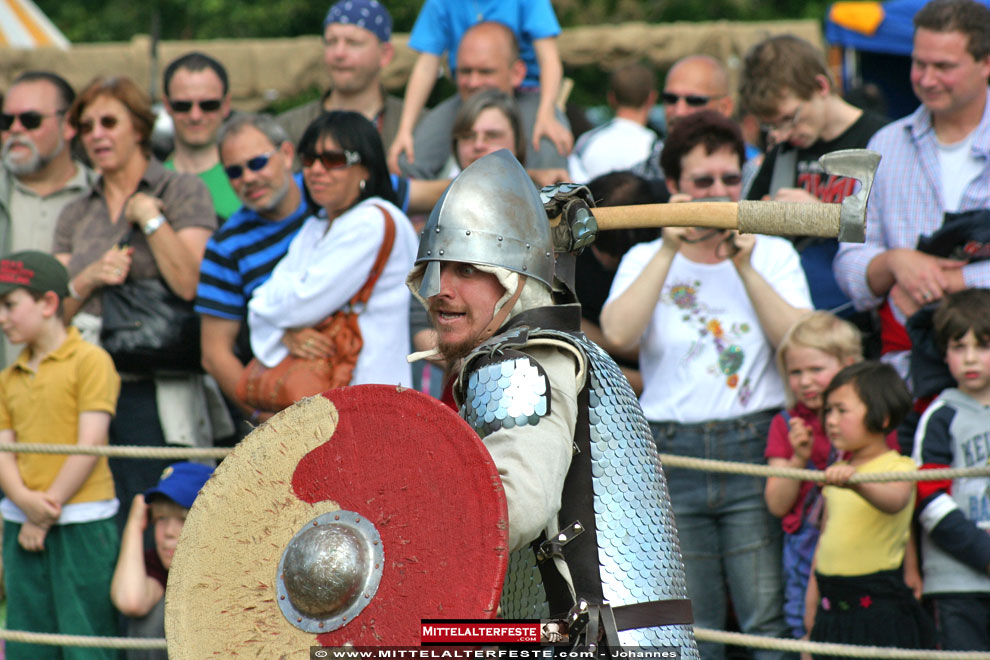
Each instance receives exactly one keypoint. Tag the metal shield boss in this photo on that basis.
(345, 519)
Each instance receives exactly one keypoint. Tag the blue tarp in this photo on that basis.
(894, 36)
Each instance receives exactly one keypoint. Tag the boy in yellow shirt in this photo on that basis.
(59, 535)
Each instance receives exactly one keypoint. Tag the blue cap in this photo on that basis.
(181, 483)
(368, 14)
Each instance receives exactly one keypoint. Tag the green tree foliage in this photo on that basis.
(119, 20)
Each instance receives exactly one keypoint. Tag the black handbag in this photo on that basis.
(147, 328)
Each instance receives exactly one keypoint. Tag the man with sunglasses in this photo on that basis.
(356, 48)
(197, 98)
(39, 173)
(626, 139)
(787, 85)
(694, 83)
(257, 156)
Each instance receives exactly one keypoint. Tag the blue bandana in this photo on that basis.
(368, 14)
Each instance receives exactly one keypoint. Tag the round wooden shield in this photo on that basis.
(400, 468)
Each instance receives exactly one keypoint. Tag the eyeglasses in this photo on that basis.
(693, 100)
(784, 125)
(207, 105)
(486, 136)
(30, 120)
(331, 160)
(255, 164)
(108, 122)
(707, 180)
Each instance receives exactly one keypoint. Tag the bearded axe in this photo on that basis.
(845, 221)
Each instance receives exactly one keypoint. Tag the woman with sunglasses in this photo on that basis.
(708, 308)
(139, 221)
(331, 257)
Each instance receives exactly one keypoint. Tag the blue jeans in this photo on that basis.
(728, 538)
(962, 621)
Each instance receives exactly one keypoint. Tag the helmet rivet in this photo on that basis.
(548, 254)
(500, 238)
(527, 246)
(525, 267)
(467, 233)
(429, 252)
(438, 230)
(440, 253)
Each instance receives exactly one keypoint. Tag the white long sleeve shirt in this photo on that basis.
(320, 273)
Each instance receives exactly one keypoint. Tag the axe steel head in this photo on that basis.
(860, 164)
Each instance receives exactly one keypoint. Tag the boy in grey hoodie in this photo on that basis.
(955, 513)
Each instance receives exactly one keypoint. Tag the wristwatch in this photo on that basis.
(151, 226)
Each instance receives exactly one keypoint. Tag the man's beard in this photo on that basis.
(272, 203)
(454, 351)
(33, 163)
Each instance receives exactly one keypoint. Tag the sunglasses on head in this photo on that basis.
(86, 126)
(707, 180)
(208, 105)
(255, 164)
(30, 120)
(331, 160)
(693, 100)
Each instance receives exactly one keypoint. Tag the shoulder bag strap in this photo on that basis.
(383, 254)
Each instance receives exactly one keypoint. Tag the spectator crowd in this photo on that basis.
(796, 352)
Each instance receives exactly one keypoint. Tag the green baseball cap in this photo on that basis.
(35, 271)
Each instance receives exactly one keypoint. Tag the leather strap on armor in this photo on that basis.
(654, 613)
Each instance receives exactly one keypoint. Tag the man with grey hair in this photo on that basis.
(257, 158)
(39, 174)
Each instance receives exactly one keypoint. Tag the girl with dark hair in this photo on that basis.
(857, 593)
(331, 257)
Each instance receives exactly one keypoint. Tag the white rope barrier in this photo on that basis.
(701, 634)
(669, 460)
(52, 639)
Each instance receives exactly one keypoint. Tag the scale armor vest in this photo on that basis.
(638, 551)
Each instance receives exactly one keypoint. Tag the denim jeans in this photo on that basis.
(728, 538)
(962, 622)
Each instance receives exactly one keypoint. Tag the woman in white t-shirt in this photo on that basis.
(707, 308)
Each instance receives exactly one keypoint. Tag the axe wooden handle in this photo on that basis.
(771, 218)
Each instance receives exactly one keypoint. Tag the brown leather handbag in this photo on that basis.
(295, 378)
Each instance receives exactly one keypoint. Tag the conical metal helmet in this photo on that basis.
(491, 214)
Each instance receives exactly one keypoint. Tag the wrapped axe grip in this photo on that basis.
(771, 218)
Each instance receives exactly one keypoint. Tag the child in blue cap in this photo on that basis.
(138, 587)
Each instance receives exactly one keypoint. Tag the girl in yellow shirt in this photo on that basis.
(858, 594)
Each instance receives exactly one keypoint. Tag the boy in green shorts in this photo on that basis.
(59, 535)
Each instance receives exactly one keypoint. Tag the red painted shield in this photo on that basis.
(400, 459)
